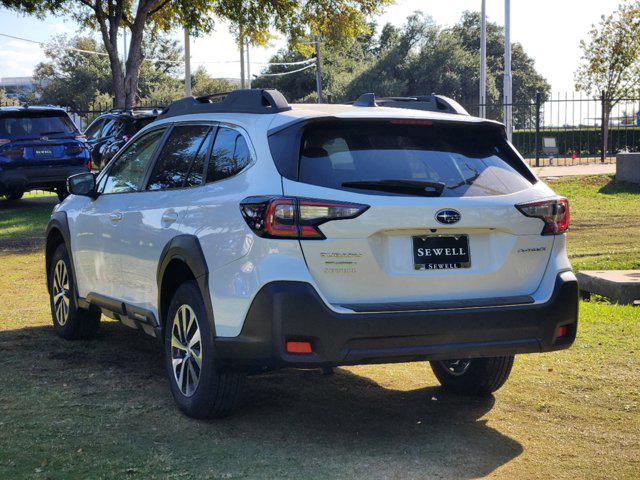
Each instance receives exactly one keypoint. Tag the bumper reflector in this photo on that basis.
(562, 331)
(299, 347)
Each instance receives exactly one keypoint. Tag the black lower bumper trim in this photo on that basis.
(28, 178)
(284, 311)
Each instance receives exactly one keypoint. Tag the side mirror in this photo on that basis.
(82, 184)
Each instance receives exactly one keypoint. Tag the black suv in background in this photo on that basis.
(39, 148)
(111, 130)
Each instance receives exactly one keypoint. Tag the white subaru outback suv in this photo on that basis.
(249, 234)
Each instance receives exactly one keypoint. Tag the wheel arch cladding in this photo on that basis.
(181, 260)
(57, 233)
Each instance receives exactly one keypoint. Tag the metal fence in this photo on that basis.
(82, 116)
(568, 129)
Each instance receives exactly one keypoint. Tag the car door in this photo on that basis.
(97, 227)
(154, 216)
(93, 134)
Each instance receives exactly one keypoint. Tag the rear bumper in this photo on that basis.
(26, 178)
(284, 311)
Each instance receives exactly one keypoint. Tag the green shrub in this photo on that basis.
(583, 142)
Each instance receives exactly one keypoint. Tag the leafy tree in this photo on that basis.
(610, 64)
(395, 55)
(6, 101)
(201, 84)
(71, 78)
(420, 58)
(526, 80)
(252, 19)
(78, 80)
(204, 84)
(341, 60)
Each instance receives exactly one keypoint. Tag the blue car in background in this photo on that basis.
(40, 147)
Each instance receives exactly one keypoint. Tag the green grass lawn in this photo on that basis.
(102, 409)
(604, 232)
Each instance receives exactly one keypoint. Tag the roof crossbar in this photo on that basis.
(261, 101)
(431, 103)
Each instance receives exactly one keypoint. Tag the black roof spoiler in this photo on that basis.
(430, 103)
(257, 100)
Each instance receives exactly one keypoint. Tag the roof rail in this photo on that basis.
(257, 100)
(431, 103)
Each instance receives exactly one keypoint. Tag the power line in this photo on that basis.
(303, 62)
(43, 44)
(285, 73)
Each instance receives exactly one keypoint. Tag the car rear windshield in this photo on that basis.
(401, 157)
(35, 124)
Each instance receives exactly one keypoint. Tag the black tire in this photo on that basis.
(478, 377)
(62, 193)
(15, 195)
(69, 321)
(215, 393)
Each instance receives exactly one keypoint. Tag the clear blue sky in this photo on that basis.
(550, 31)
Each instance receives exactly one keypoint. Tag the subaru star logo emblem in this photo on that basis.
(448, 216)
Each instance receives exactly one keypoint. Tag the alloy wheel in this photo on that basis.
(456, 367)
(186, 350)
(61, 292)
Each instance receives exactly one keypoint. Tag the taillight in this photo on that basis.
(13, 153)
(73, 149)
(292, 217)
(554, 213)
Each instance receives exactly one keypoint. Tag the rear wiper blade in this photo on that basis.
(413, 187)
(466, 181)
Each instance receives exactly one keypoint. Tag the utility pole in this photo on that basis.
(318, 71)
(507, 96)
(248, 66)
(242, 84)
(483, 60)
(187, 63)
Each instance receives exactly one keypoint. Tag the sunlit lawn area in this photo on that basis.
(102, 409)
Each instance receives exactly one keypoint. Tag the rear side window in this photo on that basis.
(35, 124)
(178, 154)
(93, 131)
(111, 128)
(467, 160)
(230, 155)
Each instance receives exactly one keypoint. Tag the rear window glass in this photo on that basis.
(467, 160)
(35, 125)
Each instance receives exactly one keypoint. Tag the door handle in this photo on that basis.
(169, 217)
(115, 217)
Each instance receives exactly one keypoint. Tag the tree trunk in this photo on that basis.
(117, 76)
(109, 32)
(134, 62)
